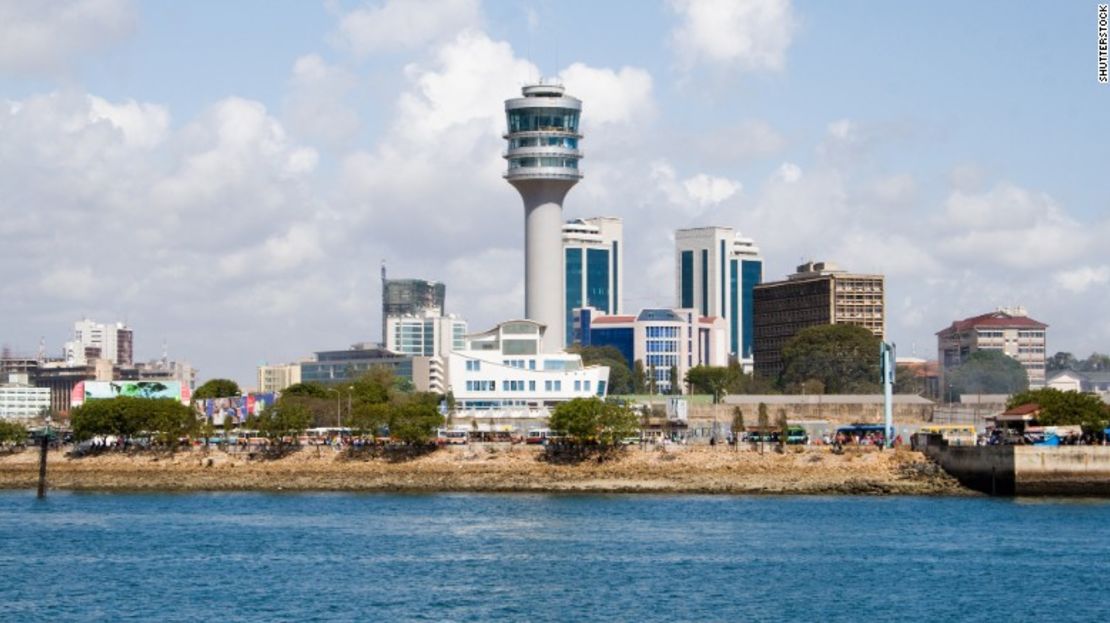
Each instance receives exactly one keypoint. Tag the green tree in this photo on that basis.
(711, 380)
(620, 377)
(1059, 408)
(12, 433)
(415, 419)
(593, 421)
(639, 378)
(1061, 361)
(1097, 362)
(672, 377)
(651, 381)
(376, 386)
(737, 425)
(987, 372)
(217, 388)
(282, 423)
(908, 381)
(783, 426)
(764, 425)
(306, 390)
(844, 358)
(164, 419)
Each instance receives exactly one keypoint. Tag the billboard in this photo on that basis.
(94, 390)
(238, 408)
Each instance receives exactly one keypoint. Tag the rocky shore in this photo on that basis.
(492, 468)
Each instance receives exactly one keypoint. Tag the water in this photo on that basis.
(333, 557)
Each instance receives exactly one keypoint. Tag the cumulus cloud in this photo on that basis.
(621, 96)
(402, 24)
(789, 172)
(1081, 279)
(48, 36)
(749, 34)
(707, 190)
(316, 107)
(142, 124)
(746, 140)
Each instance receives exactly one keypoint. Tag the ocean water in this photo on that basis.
(470, 557)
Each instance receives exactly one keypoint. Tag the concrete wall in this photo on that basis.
(1024, 470)
(835, 413)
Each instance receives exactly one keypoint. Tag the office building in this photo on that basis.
(92, 340)
(659, 339)
(275, 378)
(340, 366)
(410, 297)
(1009, 330)
(819, 293)
(505, 373)
(430, 335)
(716, 271)
(592, 268)
(20, 400)
(542, 160)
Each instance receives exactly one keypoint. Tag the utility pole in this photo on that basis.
(886, 367)
(44, 448)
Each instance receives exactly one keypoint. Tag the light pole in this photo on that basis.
(350, 390)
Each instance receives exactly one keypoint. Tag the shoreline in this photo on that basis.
(498, 469)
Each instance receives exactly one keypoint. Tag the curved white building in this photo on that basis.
(503, 373)
(543, 160)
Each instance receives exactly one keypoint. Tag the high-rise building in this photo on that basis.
(659, 339)
(543, 166)
(275, 378)
(819, 293)
(593, 271)
(91, 340)
(716, 271)
(429, 335)
(1009, 330)
(410, 297)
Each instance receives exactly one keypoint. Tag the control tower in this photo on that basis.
(543, 165)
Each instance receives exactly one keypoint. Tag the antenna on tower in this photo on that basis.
(165, 353)
(42, 349)
(383, 271)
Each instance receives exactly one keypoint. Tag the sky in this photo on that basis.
(227, 177)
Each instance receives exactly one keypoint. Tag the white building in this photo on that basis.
(504, 373)
(20, 401)
(659, 339)
(275, 378)
(593, 271)
(429, 335)
(716, 271)
(92, 340)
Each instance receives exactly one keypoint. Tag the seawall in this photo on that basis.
(1026, 470)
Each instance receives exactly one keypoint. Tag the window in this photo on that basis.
(578, 386)
(586, 385)
(687, 278)
(558, 386)
(547, 386)
(473, 365)
(531, 386)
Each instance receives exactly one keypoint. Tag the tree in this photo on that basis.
(1059, 408)
(987, 372)
(844, 358)
(306, 390)
(165, 419)
(908, 381)
(620, 377)
(1061, 361)
(741, 383)
(217, 388)
(737, 425)
(651, 380)
(764, 425)
(592, 421)
(415, 419)
(711, 380)
(281, 421)
(1097, 362)
(672, 377)
(376, 386)
(12, 433)
(782, 424)
(639, 378)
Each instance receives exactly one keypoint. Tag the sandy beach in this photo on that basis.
(491, 468)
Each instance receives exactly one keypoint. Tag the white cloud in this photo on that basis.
(143, 125)
(707, 190)
(70, 283)
(316, 108)
(47, 36)
(789, 172)
(1081, 279)
(750, 34)
(745, 140)
(610, 96)
(401, 24)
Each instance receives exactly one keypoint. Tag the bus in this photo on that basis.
(862, 434)
(954, 434)
(537, 436)
(452, 437)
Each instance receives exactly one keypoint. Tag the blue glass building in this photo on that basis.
(591, 268)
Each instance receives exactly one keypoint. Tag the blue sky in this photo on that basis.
(226, 176)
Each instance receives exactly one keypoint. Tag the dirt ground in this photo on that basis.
(664, 469)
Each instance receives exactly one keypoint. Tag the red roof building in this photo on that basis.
(1011, 331)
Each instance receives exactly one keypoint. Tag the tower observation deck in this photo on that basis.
(543, 160)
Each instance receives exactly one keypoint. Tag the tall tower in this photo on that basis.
(543, 165)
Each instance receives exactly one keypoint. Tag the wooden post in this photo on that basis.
(43, 448)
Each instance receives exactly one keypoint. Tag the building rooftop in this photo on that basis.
(612, 320)
(1030, 408)
(997, 319)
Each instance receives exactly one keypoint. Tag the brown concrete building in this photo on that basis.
(817, 294)
(1011, 331)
